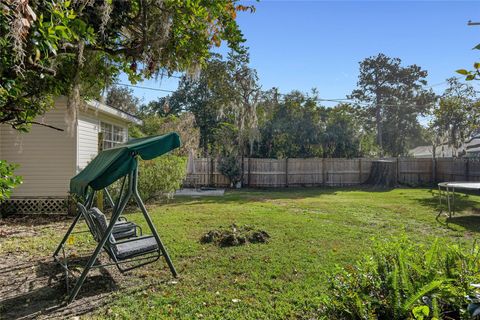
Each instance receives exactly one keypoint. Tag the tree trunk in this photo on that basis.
(383, 174)
(378, 120)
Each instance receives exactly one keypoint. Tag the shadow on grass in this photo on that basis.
(246, 195)
(470, 222)
(33, 289)
(463, 202)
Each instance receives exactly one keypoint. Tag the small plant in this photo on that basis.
(229, 167)
(405, 280)
(8, 180)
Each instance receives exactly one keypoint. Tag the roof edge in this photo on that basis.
(97, 105)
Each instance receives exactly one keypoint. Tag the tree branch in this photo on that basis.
(42, 68)
(46, 125)
(14, 125)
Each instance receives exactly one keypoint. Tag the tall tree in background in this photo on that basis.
(122, 98)
(246, 94)
(165, 106)
(208, 97)
(456, 116)
(343, 132)
(183, 124)
(293, 126)
(224, 94)
(394, 96)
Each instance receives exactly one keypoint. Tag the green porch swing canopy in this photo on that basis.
(112, 164)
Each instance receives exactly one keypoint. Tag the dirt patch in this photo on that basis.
(29, 225)
(33, 286)
(235, 236)
(36, 289)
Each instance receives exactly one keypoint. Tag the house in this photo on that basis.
(442, 151)
(49, 158)
(473, 146)
(469, 149)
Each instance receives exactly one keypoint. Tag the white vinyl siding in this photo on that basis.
(49, 158)
(46, 156)
(87, 140)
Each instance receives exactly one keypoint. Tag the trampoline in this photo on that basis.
(447, 190)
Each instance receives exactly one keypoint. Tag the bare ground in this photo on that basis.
(35, 287)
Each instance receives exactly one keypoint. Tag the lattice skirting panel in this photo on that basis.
(34, 205)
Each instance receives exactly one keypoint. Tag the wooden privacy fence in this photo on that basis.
(297, 172)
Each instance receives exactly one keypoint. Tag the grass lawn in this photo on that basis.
(311, 230)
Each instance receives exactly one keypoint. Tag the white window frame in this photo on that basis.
(113, 135)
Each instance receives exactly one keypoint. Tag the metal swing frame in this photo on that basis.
(118, 208)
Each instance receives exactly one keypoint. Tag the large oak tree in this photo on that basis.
(394, 96)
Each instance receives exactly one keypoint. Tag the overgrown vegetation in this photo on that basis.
(401, 279)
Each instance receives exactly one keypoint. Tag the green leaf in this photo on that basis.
(470, 77)
(421, 312)
(421, 292)
(462, 71)
(476, 65)
(477, 47)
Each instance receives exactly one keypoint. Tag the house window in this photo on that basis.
(112, 135)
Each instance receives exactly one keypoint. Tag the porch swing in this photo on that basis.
(123, 241)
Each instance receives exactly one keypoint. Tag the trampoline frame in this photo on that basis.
(447, 190)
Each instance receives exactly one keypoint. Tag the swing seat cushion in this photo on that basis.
(135, 247)
(125, 249)
(124, 230)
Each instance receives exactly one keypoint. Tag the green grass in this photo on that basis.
(311, 230)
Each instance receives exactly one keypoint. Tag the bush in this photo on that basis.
(404, 280)
(160, 177)
(8, 180)
(229, 167)
(157, 178)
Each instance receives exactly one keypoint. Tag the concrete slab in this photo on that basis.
(190, 192)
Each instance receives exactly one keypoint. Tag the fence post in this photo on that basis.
(286, 172)
(248, 174)
(100, 192)
(324, 180)
(360, 171)
(467, 170)
(397, 172)
(434, 170)
(243, 169)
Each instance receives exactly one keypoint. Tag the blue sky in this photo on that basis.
(318, 44)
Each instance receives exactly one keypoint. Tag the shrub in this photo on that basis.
(157, 178)
(8, 180)
(160, 177)
(229, 167)
(405, 280)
